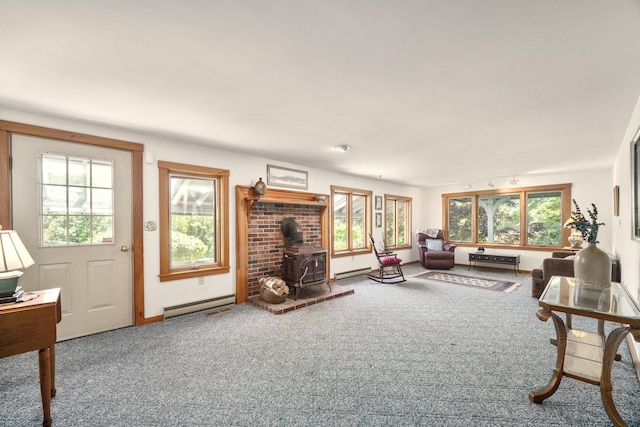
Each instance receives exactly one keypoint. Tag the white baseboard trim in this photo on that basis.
(192, 307)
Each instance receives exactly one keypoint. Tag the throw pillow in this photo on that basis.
(434, 245)
(390, 260)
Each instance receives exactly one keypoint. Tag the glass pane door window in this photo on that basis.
(76, 200)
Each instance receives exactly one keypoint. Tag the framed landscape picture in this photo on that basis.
(279, 176)
(378, 203)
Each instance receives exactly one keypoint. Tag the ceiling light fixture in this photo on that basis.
(514, 181)
(468, 186)
(343, 147)
(491, 184)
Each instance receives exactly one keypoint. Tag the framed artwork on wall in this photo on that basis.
(635, 176)
(279, 176)
(378, 219)
(378, 203)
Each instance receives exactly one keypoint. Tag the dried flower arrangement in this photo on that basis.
(588, 228)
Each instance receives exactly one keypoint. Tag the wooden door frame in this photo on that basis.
(7, 128)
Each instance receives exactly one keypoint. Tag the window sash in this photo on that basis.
(351, 221)
(397, 221)
(194, 224)
(76, 206)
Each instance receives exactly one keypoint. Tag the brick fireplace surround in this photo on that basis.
(266, 242)
(260, 243)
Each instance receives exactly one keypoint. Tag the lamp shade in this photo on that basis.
(13, 253)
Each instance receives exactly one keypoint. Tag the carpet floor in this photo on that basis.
(418, 353)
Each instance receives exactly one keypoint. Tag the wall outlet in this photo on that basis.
(200, 280)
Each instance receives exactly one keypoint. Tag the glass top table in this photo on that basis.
(612, 303)
(583, 355)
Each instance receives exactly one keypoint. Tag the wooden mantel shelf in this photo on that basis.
(287, 201)
(283, 196)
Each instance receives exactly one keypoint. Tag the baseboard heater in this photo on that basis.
(192, 307)
(351, 273)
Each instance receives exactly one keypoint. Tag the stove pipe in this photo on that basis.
(292, 232)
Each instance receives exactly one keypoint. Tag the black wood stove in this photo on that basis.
(302, 265)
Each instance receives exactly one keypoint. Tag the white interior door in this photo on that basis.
(72, 209)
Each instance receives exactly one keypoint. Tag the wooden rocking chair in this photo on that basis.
(389, 266)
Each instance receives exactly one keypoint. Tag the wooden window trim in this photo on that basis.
(368, 220)
(409, 201)
(222, 241)
(565, 189)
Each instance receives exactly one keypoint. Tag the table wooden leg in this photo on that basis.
(45, 385)
(610, 351)
(52, 358)
(561, 340)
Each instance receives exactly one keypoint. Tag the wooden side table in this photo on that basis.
(31, 325)
(582, 355)
(476, 257)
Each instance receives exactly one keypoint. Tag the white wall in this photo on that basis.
(625, 247)
(594, 186)
(244, 170)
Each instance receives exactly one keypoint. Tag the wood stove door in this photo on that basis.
(319, 268)
(311, 268)
(289, 269)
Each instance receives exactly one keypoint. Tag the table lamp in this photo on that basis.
(13, 256)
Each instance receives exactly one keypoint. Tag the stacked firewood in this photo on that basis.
(274, 284)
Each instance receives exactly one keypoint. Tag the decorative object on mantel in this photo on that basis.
(575, 239)
(260, 188)
(592, 266)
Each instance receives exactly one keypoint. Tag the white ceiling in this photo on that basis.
(427, 92)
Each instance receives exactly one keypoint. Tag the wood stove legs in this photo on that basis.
(297, 287)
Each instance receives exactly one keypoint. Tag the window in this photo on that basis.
(544, 218)
(460, 219)
(524, 217)
(397, 221)
(351, 221)
(76, 201)
(499, 219)
(194, 224)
